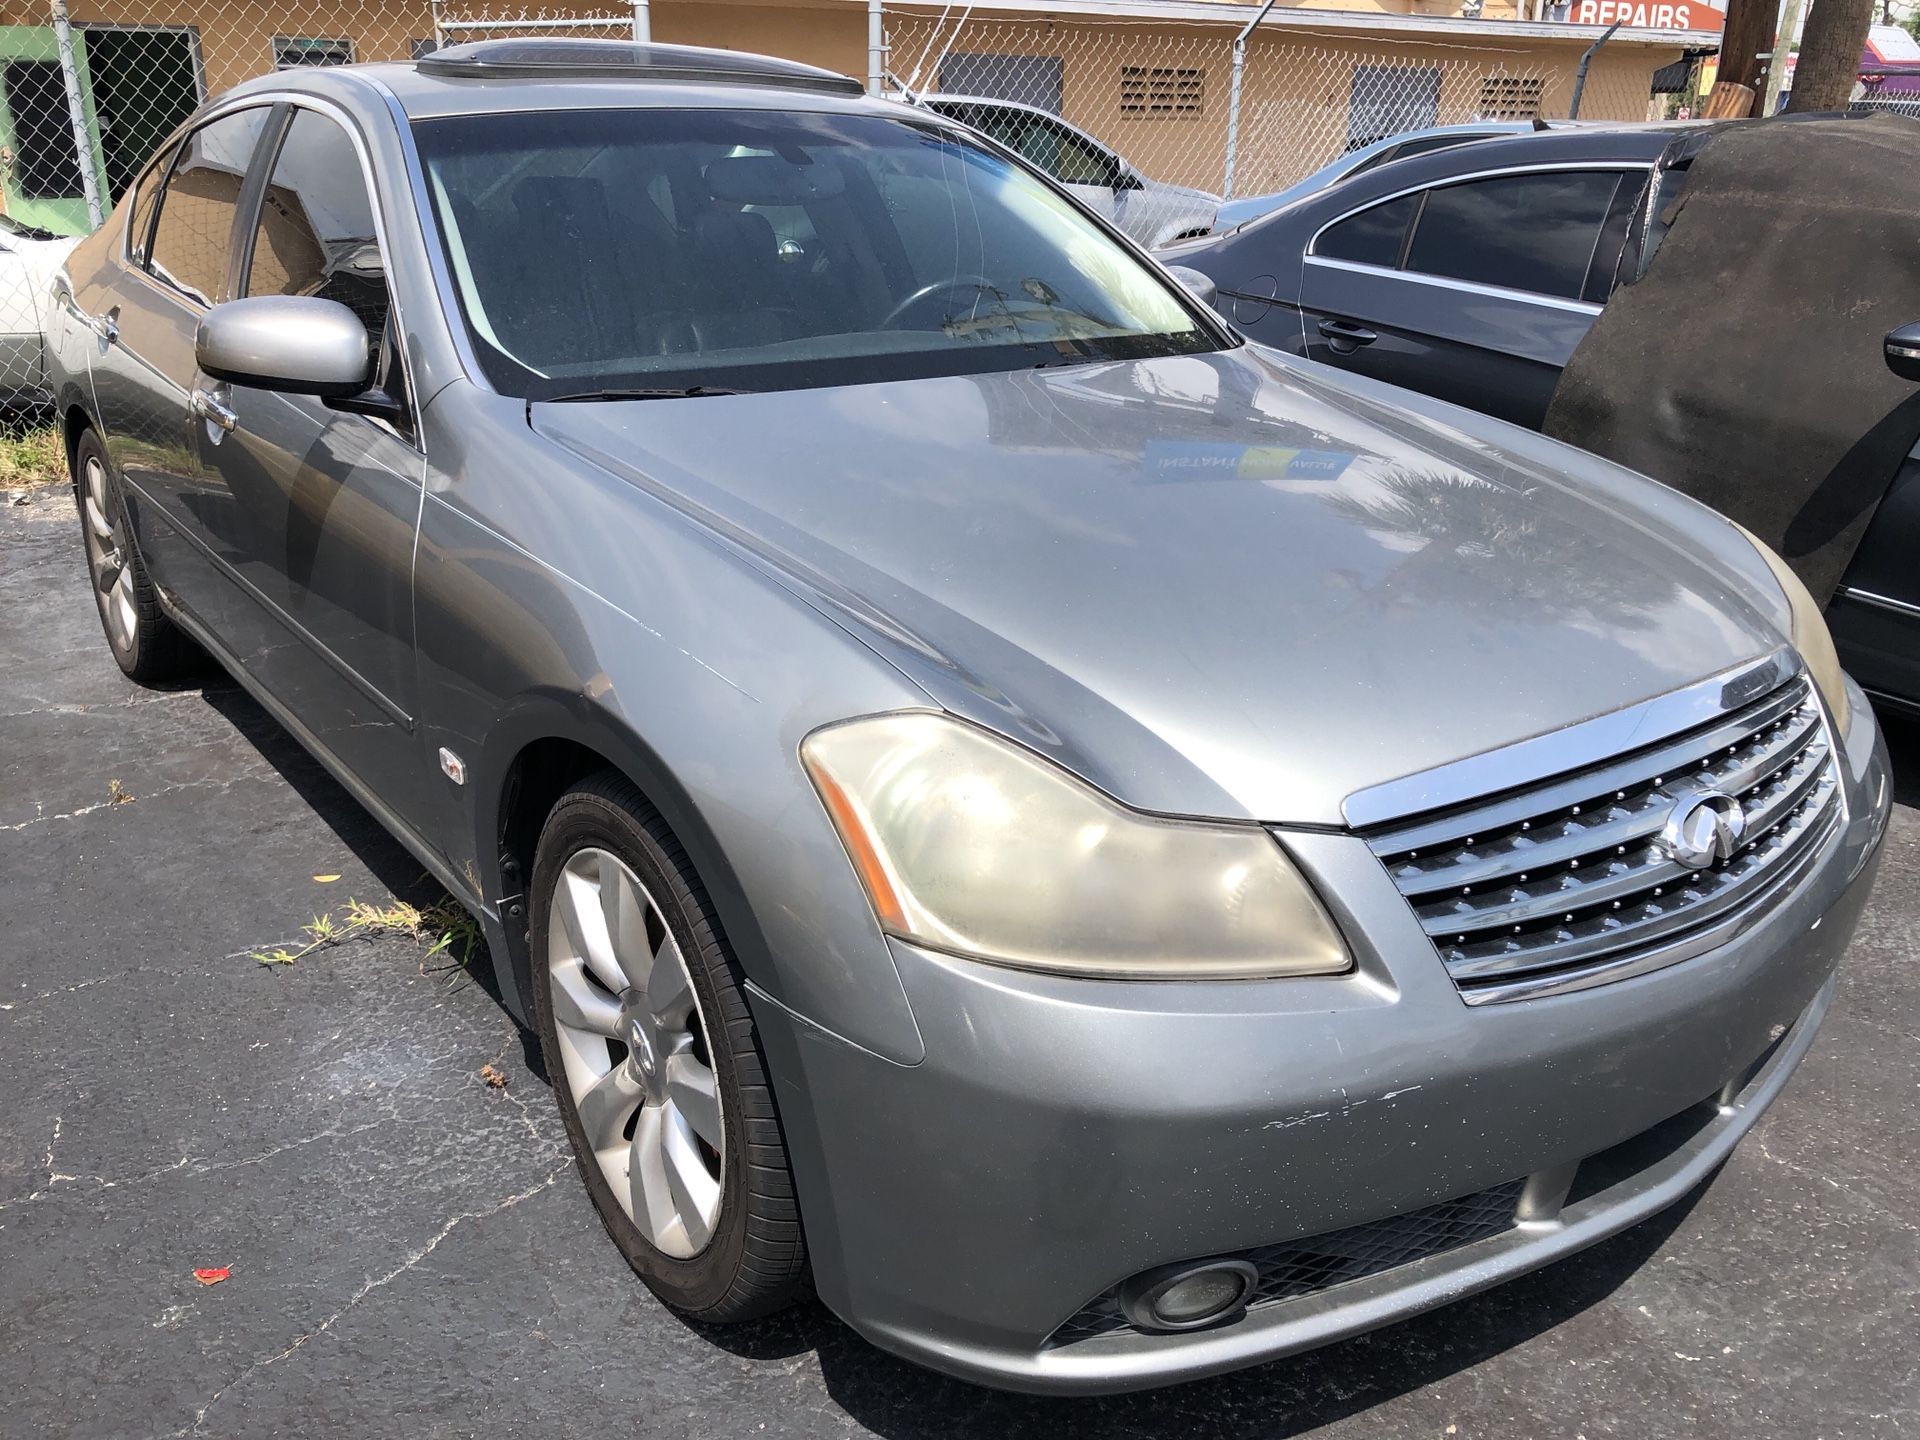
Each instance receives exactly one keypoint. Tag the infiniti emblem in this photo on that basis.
(1703, 826)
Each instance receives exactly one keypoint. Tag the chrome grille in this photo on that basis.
(1566, 883)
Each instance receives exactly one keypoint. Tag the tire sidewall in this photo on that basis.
(582, 820)
(89, 447)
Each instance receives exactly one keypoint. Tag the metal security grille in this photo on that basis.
(1567, 883)
(1319, 1262)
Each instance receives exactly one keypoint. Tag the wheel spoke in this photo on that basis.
(623, 913)
(606, 1105)
(577, 902)
(96, 504)
(125, 617)
(691, 1090)
(651, 1199)
(577, 1004)
(669, 994)
(696, 1194)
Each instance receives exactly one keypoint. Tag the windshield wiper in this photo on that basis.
(689, 392)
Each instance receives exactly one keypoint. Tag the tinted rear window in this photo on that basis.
(1373, 237)
(1521, 232)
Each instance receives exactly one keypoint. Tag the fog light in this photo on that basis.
(1190, 1296)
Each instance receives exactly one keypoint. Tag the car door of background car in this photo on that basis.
(1475, 290)
(322, 505)
(175, 267)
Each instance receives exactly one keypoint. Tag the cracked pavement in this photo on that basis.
(412, 1255)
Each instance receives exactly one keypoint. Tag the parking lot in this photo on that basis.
(410, 1253)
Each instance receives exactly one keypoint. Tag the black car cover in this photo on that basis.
(1745, 366)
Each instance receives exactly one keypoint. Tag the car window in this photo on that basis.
(1535, 232)
(1375, 236)
(140, 216)
(1071, 159)
(801, 249)
(194, 229)
(316, 234)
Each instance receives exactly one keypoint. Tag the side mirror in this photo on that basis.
(293, 343)
(1196, 283)
(1903, 351)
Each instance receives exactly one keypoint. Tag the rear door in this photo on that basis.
(176, 260)
(1475, 290)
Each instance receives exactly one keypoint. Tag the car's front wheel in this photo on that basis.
(651, 1050)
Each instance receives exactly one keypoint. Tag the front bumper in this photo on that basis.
(1062, 1135)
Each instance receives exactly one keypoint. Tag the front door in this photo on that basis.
(39, 159)
(328, 502)
(1476, 292)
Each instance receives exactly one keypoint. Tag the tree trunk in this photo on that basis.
(1830, 50)
(1749, 30)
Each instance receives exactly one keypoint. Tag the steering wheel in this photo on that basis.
(958, 285)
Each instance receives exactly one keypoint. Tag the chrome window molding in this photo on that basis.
(1501, 292)
(1468, 287)
(1880, 602)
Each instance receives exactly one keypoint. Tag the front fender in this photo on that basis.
(556, 602)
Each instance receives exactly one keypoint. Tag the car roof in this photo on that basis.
(507, 75)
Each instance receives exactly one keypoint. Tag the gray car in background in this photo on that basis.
(1116, 853)
(1149, 211)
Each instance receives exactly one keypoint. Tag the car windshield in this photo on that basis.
(662, 250)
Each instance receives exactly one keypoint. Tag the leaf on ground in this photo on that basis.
(212, 1277)
(494, 1076)
(117, 794)
(325, 879)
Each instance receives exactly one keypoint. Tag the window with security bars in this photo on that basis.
(1510, 97)
(292, 51)
(1162, 90)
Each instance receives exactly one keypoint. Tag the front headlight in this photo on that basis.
(969, 844)
(1810, 634)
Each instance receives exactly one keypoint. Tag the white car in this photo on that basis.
(1151, 212)
(29, 259)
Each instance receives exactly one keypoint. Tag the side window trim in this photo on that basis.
(193, 128)
(260, 176)
(246, 210)
(134, 252)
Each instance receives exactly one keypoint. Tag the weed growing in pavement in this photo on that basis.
(32, 458)
(445, 927)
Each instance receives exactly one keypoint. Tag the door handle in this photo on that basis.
(1345, 337)
(210, 408)
(105, 327)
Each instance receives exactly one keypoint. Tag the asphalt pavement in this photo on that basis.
(409, 1253)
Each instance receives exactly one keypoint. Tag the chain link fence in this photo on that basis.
(1170, 99)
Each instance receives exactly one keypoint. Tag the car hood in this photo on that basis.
(1224, 584)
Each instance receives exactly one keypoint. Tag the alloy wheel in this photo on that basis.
(635, 1051)
(109, 556)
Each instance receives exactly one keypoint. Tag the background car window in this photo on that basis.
(140, 221)
(1521, 232)
(1071, 159)
(1373, 237)
(316, 234)
(192, 235)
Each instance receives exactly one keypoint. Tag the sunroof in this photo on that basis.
(635, 60)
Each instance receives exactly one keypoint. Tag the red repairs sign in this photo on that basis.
(1649, 14)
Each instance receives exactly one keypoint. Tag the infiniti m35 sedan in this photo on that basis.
(1112, 853)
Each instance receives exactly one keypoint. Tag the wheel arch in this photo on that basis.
(538, 750)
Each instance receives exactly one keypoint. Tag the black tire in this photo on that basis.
(152, 649)
(755, 1262)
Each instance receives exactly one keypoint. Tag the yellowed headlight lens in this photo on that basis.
(970, 844)
(1810, 634)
